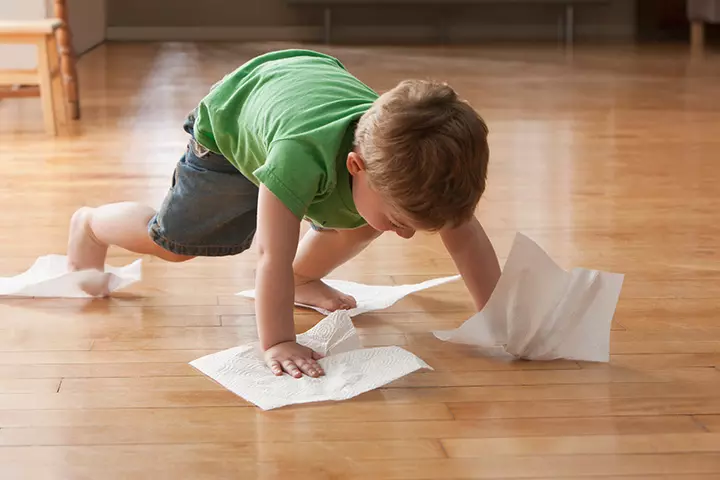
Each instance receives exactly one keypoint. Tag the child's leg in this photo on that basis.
(210, 210)
(321, 252)
(93, 230)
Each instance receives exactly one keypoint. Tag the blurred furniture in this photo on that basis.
(699, 13)
(67, 59)
(47, 75)
(568, 5)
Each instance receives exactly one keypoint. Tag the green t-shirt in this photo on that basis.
(287, 119)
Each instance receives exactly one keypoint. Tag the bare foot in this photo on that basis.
(315, 293)
(85, 252)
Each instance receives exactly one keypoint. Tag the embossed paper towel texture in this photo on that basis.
(349, 369)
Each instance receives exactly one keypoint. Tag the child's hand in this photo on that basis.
(293, 359)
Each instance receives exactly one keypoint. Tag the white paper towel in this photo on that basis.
(371, 297)
(349, 369)
(539, 311)
(50, 277)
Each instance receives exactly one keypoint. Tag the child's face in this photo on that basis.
(371, 206)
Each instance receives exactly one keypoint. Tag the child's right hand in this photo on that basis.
(294, 359)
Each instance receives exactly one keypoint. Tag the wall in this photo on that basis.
(87, 22)
(275, 20)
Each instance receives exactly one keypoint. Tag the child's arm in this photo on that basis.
(475, 258)
(278, 232)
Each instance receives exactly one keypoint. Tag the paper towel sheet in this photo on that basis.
(349, 369)
(371, 297)
(49, 277)
(539, 311)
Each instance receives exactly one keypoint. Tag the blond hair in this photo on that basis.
(426, 153)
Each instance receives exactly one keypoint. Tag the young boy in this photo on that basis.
(291, 135)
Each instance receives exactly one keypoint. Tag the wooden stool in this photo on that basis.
(47, 76)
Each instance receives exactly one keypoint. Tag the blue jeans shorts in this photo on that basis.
(210, 209)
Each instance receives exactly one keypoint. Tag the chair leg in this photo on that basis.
(697, 36)
(69, 73)
(59, 97)
(67, 59)
(46, 90)
(328, 25)
(569, 25)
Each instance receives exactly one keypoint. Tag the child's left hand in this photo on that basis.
(293, 359)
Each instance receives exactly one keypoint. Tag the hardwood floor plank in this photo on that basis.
(415, 394)
(661, 361)
(94, 370)
(201, 398)
(45, 344)
(125, 299)
(557, 408)
(179, 338)
(99, 325)
(92, 400)
(26, 385)
(100, 357)
(669, 346)
(607, 375)
(709, 422)
(689, 476)
(667, 334)
(584, 445)
(124, 462)
(232, 468)
(237, 424)
(575, 466)
(462, 360)
(144, 384)
(539, 392)
(276, 452)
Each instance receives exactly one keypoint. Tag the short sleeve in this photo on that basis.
(292, 173)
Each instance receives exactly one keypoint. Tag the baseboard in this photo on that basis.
(372, 34)
(471, 33)
(289, 34)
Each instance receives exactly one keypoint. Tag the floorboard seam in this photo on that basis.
(699, 423)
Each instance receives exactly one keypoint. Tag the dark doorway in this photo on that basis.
(666, 21)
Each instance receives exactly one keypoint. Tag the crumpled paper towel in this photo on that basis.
(371, 297)
(349, 369)
(49, 277)
(539, 311)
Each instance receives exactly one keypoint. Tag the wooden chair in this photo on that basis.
(47, 76)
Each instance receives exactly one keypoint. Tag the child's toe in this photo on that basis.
(336, 304)
(348, 301)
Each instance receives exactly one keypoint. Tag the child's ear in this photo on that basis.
(355, 163)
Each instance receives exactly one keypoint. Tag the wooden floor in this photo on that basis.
(608, 158)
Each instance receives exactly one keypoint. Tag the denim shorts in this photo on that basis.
(210, 209)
